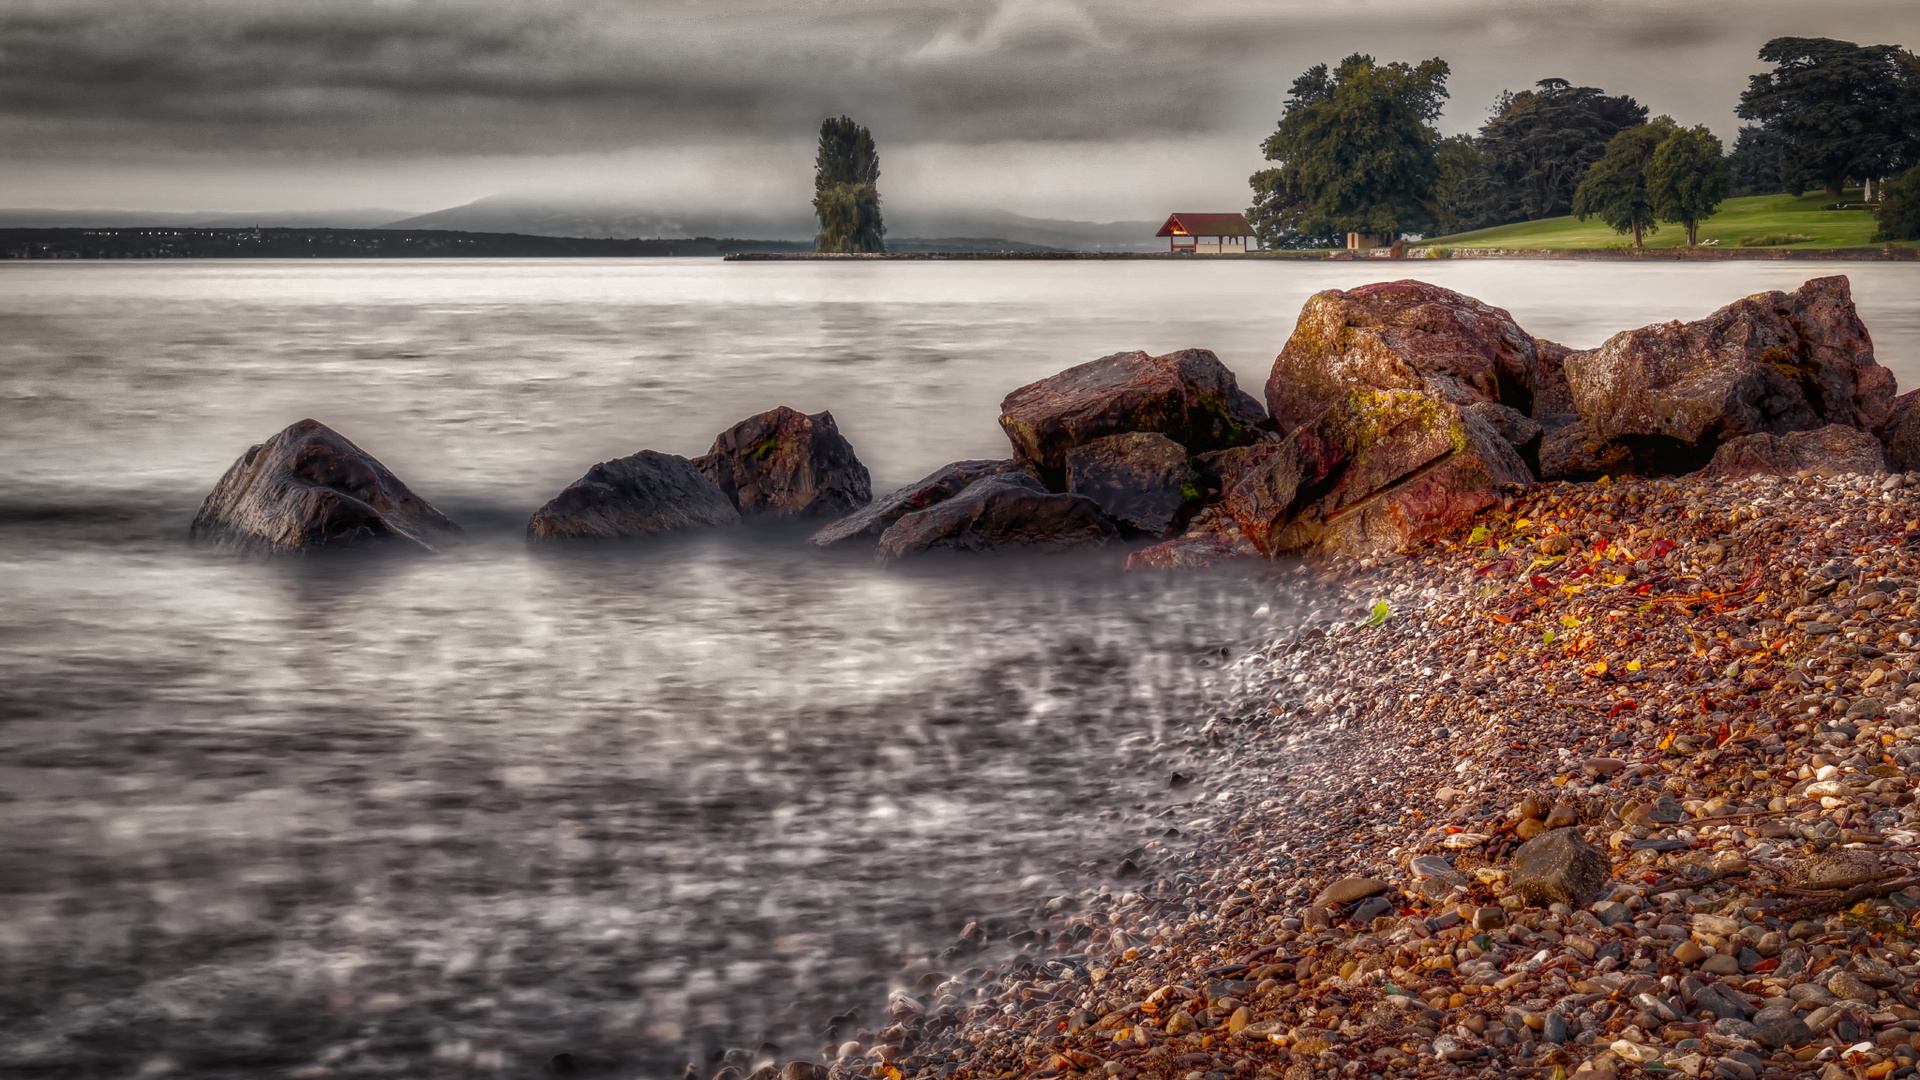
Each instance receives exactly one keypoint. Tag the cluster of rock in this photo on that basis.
(1394, 411)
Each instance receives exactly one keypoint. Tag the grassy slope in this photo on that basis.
(1738, 218)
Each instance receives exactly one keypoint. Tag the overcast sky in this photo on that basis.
(1090, 109)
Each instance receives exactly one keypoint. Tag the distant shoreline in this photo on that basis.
(1712, 254)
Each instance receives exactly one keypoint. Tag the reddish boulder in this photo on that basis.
(1189, 396)
(1376, 472)
(1777, 362)
(308, 488)
(1212, 538)
(1141, 480)
(867, 523)
(785, 463)
(1405, 335)
(1831, 449)
(1002, 511)
(1571, 451)
(1901, 433)
(641, 495)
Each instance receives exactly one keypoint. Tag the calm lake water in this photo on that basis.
(450, 816)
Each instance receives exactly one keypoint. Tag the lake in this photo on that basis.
(449, 816)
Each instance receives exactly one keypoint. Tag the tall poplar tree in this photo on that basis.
(846, 197)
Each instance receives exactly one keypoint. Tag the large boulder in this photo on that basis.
(785, 463)
(1831, 449)
(867, 523)
(629, 497)
(1521, 431)
(1376, 472)
(1667, 396)
(1211, 538)
(1189, 396)
(1559, 867)
(1006, 510)
(1141, 480)
(1405, 335)
(1901, 433)
(308, 488)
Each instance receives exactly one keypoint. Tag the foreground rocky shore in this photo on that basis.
(1700, 684)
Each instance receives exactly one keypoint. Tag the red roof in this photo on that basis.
(1205, 225)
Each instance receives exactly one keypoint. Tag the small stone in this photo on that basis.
(1559, 867)
(1602, 766)
(1347, 890)
(1489, 918)
(1721, 964)
(1689, 952)
(1531, 807)
(1554, 1030)
(1611, 912)
(1241, 1017)
(1849, 986)
(1780, 1033)
(1557, 544)
(1563, 815)
(1529, 828)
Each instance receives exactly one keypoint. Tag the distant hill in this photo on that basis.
(907, 229)
(175, 242)
(365, 218)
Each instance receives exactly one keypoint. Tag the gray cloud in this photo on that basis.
(129, 81)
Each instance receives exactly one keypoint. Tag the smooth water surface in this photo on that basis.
(451, 815)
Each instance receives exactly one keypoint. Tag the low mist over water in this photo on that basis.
(449, 816)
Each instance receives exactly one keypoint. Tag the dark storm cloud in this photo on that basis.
(347, 77)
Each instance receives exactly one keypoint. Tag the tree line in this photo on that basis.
(1356, 150)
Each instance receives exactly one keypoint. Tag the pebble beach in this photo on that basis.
(1695, 689)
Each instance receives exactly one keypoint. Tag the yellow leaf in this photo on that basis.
(1666, 742)
(1599, 668)
(1633, 665)
(1523, 523)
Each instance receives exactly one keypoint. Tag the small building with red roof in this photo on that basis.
(1208, 234)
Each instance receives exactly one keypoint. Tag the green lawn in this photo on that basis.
(1737, 220)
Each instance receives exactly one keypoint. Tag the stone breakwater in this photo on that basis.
(1704, 683)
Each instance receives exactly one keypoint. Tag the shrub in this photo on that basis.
(1774, 239)
(1898, 212)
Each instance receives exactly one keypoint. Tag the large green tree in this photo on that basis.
(1615, 188)
(846, 196)
(1838, 106)
(1539, 144)
(1687, 178)
(1355, 152)
(1756, 162)
(1458, 165)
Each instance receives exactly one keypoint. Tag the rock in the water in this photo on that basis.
(307, 489)
(1140, 479)
(1831, 449)
(629, 497)
(867, 523)
(1189, 396)
(784, 463)
(1007, 510)
(1559, 867)
(1403, 335)
(1668, 395)
(1376, 472)
(1212, 538)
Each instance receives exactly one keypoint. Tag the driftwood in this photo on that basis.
(1874, 887)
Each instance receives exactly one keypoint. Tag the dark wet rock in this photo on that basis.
(1572, 451)
(1519, 429)
(630, 497)
(1008, 510)
(1669, 395)
(1559, 867)
(1831, 449)
(1140, 479)
(784, 463)
(308, 489)
(867, 523)
(1376, 472)
(1403, 335)
(1189, 396)
(1220, 470)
